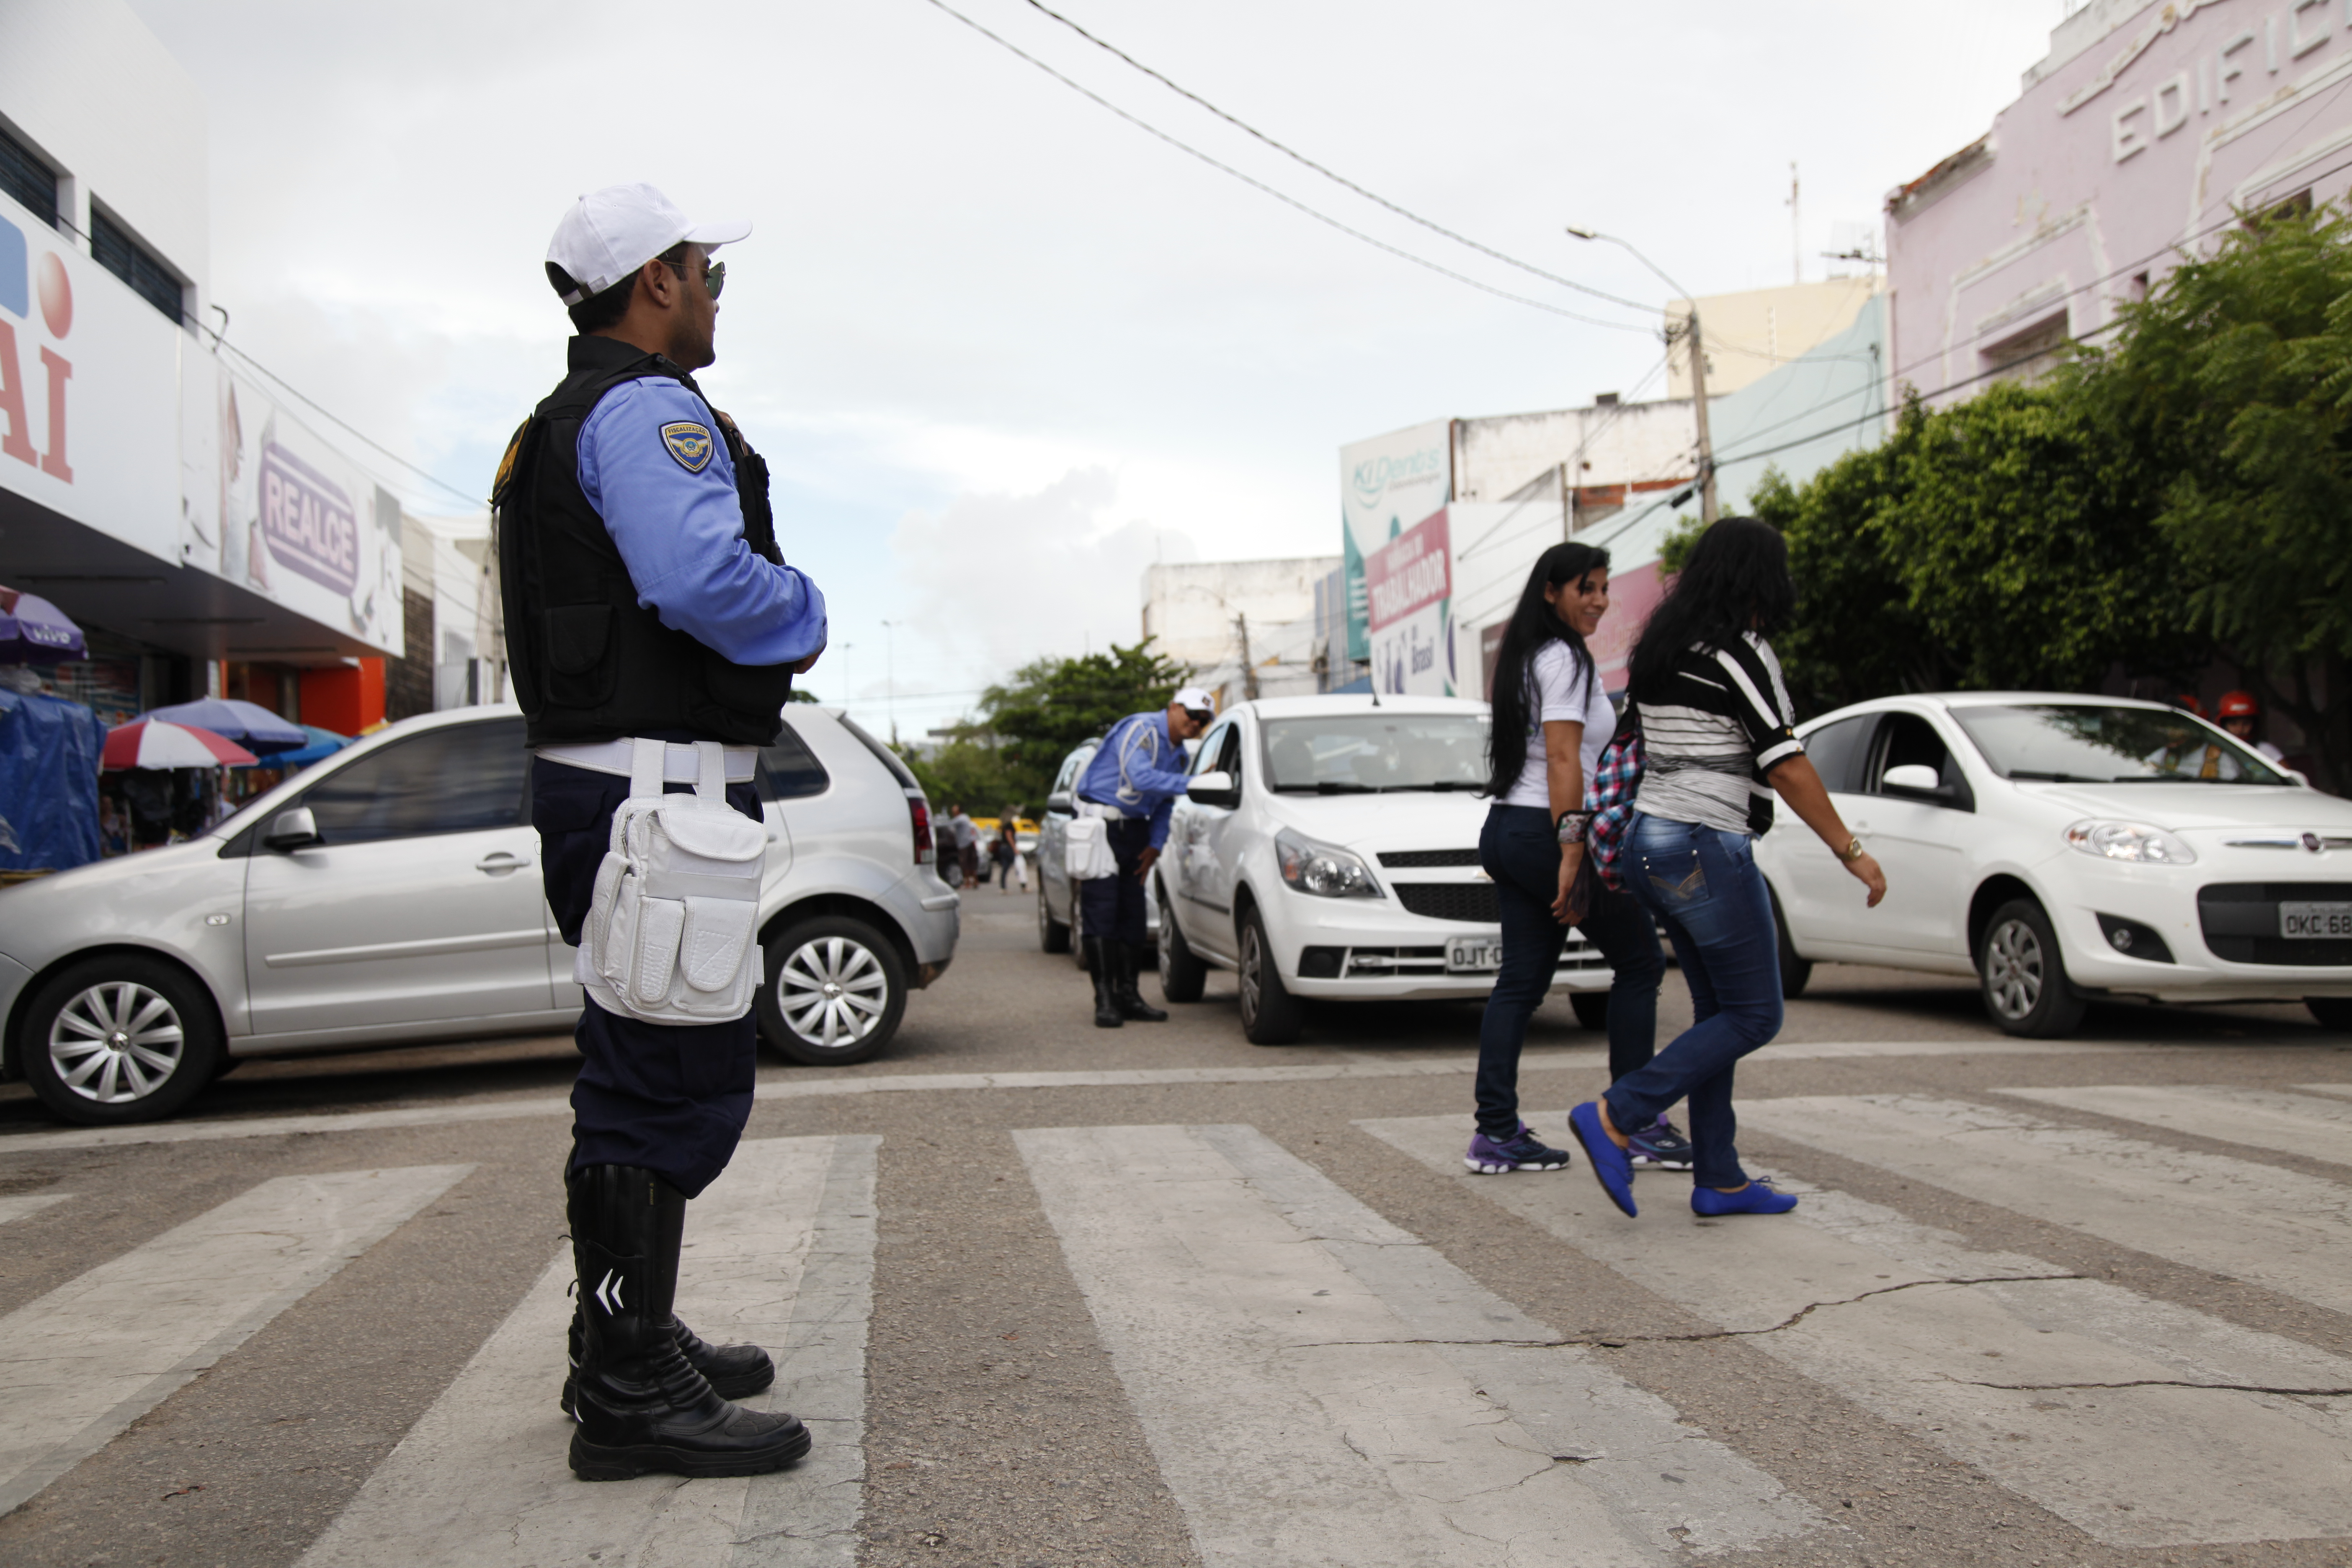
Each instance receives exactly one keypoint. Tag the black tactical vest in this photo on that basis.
(585, 662)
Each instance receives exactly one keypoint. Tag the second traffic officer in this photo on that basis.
(1131, 783)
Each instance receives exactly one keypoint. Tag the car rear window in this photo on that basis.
(788, 769)
(882, 754)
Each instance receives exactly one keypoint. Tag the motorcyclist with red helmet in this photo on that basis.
(2240, 714)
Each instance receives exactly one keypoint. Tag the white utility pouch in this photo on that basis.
(1086, 851)
(672, 930)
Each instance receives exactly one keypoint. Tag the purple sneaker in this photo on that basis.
(1520, 1151)
(1659, 1145)
(1755, 1198)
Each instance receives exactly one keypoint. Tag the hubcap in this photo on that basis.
(2013, 969)
(116, 1042)
(1251, 958)
(833, 992)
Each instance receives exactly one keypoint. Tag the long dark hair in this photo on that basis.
(1531, 626)
(1737, 580)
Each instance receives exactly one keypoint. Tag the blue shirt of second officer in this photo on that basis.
(1139, 771)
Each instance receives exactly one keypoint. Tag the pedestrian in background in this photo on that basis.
(1003, 850)
(1551, 718)
(967, 844)
(1716, 727)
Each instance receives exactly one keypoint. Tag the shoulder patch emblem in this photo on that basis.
(689, 443)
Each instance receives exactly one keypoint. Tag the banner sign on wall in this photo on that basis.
(1386, 485)
(1409, 598)
(271, 507)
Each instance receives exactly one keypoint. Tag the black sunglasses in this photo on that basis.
(714, 277)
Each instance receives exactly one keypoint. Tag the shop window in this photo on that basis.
(28, 180)
(113, 249)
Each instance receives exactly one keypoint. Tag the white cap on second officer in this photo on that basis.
(609, 234)
(1194, 699)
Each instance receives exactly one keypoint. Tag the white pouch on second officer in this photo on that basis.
(672, 931)
(1086, 851)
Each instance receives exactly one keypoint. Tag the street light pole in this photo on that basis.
(890, 675)
(1690, 330)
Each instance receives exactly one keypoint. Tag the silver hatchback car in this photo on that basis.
(392, 895)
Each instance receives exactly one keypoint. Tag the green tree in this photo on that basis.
(2235, 381)
(1030, 722)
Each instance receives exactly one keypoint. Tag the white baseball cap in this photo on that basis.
(609, 234)
(1194, 699)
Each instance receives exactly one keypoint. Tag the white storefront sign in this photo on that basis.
(1386, 486)
(1409, 600)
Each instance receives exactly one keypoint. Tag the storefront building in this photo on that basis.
(153, 486)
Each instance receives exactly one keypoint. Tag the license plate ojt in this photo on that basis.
(2330, 922)
(1474, 954)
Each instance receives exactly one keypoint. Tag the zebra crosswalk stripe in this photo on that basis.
(1321, 1387)
(482, 1479)
(83, 1362)
(2289, 1232)
(1999, 1360)
(25, 1203)
(2262, 1119)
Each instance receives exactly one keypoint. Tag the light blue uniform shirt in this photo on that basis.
(1139, 770)
(680, 530)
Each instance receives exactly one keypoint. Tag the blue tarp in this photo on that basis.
(48, 782)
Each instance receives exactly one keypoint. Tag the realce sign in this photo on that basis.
(308, 521)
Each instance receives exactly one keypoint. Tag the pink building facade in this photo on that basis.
(2148, 130)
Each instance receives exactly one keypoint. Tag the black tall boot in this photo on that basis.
(637, 1404)
(1130, 1001)
(733, 1372)
(1099, 962)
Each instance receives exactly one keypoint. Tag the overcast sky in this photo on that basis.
(1001, 348)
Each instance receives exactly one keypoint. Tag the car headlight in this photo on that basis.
(1322, 870)
(2136, 841)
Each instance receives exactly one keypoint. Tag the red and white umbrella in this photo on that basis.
(151, 744)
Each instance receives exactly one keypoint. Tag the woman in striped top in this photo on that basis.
(1717, 731)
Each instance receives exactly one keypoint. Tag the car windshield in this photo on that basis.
(1365, 753)
(2091, 742)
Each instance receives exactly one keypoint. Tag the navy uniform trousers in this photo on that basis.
(1113, 906)
(672, 1099)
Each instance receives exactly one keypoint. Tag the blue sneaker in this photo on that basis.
(1660, 1145)
(1611, 1165)
(1520, 1151)
(1755, 1198)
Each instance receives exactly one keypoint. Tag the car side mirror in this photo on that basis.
(1913, 778)
(1215, 789)
(1058, 803)
(294, 829)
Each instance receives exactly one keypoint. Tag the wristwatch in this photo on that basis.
(1852, 852)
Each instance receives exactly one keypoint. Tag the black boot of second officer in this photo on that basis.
(1098, 963)
(1130, 1001)
(637, 1404)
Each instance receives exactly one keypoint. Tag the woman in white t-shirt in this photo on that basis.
(1553, 718)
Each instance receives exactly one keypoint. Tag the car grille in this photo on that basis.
(1410, 859)
(1451, 902)
(2242, 922)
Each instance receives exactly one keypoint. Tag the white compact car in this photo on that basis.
(2066, 847)
(1329, 848)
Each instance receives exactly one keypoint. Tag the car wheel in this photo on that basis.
(1271, 1016)
(119, 1038)
(2023, 974)
(1796, 972)
(1182, 975)
(1053, 936)
(837, 989)
(2332, 1012)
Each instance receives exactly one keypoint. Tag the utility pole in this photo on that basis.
(1796, 231)
(1249, 670)
(1706, 509)
(890, 675)
(1699, 357)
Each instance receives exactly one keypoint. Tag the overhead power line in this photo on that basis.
(312, 403)
(1337, 179)
(1287, 200)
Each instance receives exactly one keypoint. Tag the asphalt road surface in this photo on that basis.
(1051, 1295)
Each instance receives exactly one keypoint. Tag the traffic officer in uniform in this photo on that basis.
(645, 597)
(1132, 782)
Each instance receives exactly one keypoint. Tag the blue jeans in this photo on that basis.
(1702, 883)
(1520, 849)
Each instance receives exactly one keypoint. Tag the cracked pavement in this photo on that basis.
(1000, 1425)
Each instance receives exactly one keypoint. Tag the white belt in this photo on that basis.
(680, 762)
(1082, 806)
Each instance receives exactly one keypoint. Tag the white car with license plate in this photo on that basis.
(2063, 848)
(1327, 847)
